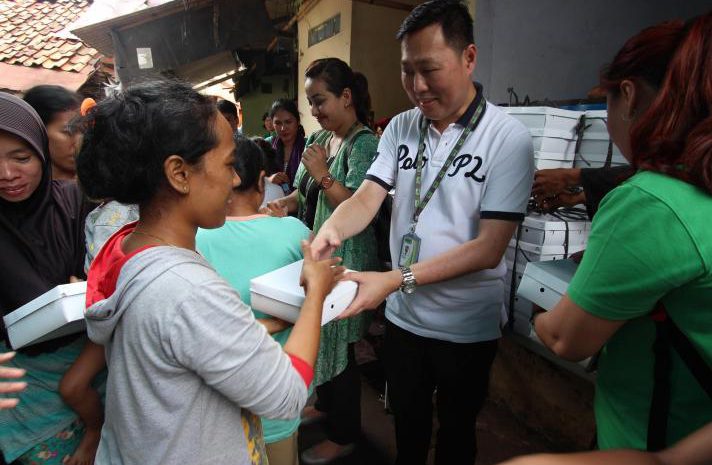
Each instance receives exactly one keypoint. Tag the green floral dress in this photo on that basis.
(349, 167)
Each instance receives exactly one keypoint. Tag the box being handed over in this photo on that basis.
(56, 313)
(279, 294)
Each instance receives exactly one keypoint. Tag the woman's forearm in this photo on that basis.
(291, 201)
(337, 194)
(303, 342)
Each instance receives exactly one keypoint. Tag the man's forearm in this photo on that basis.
(353, 215)
(484, 252)
(467, 258)
(350, 218)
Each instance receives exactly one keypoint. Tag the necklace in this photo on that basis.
(154, 237)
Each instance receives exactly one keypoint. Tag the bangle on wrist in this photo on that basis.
(326, 182)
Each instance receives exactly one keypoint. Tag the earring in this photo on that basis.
(185, 189)
(347, 105)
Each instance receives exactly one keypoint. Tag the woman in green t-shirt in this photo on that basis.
(650, 250)
(334, 165)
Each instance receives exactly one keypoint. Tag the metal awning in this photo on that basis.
(194, 39)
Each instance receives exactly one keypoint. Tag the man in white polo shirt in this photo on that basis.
(457, 202)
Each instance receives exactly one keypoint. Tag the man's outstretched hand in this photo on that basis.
(325, 243)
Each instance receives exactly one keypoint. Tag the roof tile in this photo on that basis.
(27, 29)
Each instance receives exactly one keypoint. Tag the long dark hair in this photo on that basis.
(287, 105)
(250, 160)
(339, 76)
(674, 135)
(49, 100)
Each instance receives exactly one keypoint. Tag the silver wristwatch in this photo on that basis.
(408, 284)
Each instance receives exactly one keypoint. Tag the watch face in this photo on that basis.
(408, 287)
(327, 182)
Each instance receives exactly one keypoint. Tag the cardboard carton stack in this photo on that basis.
(542, 238)
(553, 133)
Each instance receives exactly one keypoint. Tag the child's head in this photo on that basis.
(250, 164)
(272, 162)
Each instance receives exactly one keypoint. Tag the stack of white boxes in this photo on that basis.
(594, 144)
(553, 132)
(542, 238)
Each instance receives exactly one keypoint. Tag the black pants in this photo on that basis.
(415, 366)
(340, 399)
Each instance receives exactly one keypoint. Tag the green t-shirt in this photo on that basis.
(245, 248)
(650, 241)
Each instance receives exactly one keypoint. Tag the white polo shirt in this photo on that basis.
(490, 178)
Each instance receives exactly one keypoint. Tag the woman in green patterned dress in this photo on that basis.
(334, 165)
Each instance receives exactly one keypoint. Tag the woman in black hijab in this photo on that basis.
(42, 246)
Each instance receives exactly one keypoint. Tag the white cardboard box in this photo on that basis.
(544, 283)
(553, 141)
(272, 192)
(534, 250)
(279, 294)
(524, 257)
(570, 156)
(548, 230)
(56, 313)
(545, 117)
(522, 307)
(547, 221)
(546, 164)
(596, 122)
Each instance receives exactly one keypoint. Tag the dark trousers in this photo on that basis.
(340, 399)
(415, 366)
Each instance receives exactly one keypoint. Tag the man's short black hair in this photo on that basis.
(452, 15)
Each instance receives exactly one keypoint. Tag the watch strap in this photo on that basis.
(326, 182)
(408, 280)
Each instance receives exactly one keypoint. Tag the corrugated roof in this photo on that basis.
(28, 35)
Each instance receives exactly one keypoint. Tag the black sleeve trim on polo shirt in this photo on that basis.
(380, 182)
(508, 216)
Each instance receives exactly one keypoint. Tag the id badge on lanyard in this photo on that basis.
(410, 249)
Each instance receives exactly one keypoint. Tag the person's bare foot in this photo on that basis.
(325, 452)
(86, 450)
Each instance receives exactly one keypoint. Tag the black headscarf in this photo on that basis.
(41, 238)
